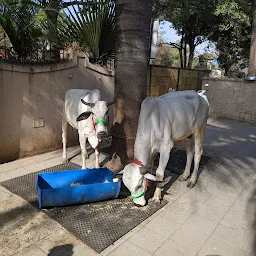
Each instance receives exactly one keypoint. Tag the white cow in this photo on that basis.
(163, 123)
(85, 111)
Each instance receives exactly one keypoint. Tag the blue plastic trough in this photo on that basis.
(76, 187)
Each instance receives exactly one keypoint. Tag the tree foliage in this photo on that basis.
(193, 20)
(233, 35)
(4, 40)
(165, 54)
(34, 25)
(92, 27)
(84, 11)
(226, 23)
(18, 19)
(168, 54)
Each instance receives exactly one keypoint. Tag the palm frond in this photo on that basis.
(18, 21)
(92, 26)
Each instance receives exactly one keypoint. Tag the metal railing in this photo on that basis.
(104, 61)
(39, 57)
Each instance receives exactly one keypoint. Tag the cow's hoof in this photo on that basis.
(182, 178)
(191, 184)
(155, 201)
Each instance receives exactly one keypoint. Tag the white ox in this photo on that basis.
(85, 112)
(163, 123)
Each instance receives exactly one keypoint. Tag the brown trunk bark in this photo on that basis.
(131, 67)
(185, 56)
(252, 60)
(180, 50)
(185, 52)
(191, 54)
(226, 69)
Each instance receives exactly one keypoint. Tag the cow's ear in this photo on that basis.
(83, 116)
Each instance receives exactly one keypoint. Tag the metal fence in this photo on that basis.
(39, 57)
(163, 77)
(106, 62)
(47, 57)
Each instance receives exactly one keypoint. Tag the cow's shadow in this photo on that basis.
(177, 162)
(176, 165)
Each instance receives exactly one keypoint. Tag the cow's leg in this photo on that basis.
(152, 164)
(199, 138)
(164, 157)
(64, 137)
(189, 152)
(97, 156)
(82, 141)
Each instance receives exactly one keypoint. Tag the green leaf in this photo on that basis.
(92, 26)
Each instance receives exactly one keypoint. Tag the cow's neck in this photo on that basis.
(142, 150)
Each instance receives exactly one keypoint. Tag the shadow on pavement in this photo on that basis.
(64, 250)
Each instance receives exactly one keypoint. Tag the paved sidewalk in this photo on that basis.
(216, 217)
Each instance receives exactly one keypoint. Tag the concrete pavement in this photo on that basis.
(216, 217)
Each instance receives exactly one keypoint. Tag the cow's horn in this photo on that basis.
(150, 177)
(87, 104)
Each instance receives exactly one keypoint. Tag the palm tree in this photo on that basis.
(88, 22)
(91, 27)
(133, 19)
(52, 10)
(18, 19)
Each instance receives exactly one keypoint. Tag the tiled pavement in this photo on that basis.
(216, 217)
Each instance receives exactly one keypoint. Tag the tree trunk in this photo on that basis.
(226, 69)
(131, 68)
(185, 52)
(191, 53)
(180, 50)
(185, 56)
(252, 60)
(52, 16)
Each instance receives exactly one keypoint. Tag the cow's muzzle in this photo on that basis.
(101, 135)
(139, 201)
